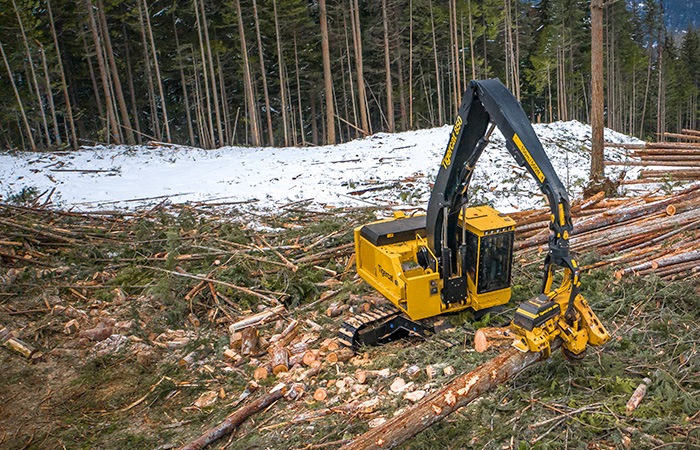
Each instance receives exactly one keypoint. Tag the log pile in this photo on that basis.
(682, 157)
(654, 234)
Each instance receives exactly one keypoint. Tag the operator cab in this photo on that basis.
(487, 258)
(393, 256)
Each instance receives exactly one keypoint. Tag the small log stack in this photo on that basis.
(637, 236)
(684, 153)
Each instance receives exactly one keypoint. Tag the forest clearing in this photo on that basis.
(133, 329)
(245, 224)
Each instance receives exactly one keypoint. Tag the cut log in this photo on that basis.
(236, 418)
(638, 395)
(335, 309)
(340, 355)
(250, 340)
(296, 360)
(442, 403)
(492, 337)
(256, 319)
(21, 347)
(320, 394)
(287, 335)
(296, 391)
(413, 371)
(260, 373)
(308, 358)
(364, 375)
(314, 370)
(279, 359)
(297, 348)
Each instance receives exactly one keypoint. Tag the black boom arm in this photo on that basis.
(490, 101)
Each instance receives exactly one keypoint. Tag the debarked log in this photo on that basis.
(442, 403)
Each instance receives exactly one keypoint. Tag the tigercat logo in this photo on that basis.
(385, 273)
(453, 140)
(528, 157)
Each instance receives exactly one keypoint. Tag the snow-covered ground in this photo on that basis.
(399, 166)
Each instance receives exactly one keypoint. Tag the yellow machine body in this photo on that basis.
(387, 259)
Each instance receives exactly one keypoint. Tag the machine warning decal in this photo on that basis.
(453, 139)
(528, 158)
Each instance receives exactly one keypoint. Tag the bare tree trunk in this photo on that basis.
(517, 54)
(35, 81)
(34, 77)
(201, 121)
(210, 132)
(52, 106)
(132, 91)
(327, 78)
(19, 100)
(451, 59)
(64, 85)
(659, 118)
(465, 82)
(437, 67)
(110, 83)
(93, 78)
(224, 101)
(352, 86)
(155, 123)
(387, 70)
(111, 118)
(247, 80)
(314, 125)
(410, 65)
(215, 98)
(471, 41)
(157, 67)
(456, 52)
(280, 65)
(484, 39)
(549, 89)
(264, 77)
(116, 83)
(296, 71)
(597, 105)
(438, 405)
(359, 72)
(180, 63)
(402, 93)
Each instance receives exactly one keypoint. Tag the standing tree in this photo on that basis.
(327, 79)
(597, 100)
(387, 69)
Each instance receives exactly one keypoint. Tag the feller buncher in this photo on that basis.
(457, 257)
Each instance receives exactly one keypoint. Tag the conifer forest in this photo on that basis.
(293, 72)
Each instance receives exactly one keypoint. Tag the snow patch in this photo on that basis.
(392, 169)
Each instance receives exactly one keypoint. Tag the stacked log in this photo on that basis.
(648, 235)
(666, 154)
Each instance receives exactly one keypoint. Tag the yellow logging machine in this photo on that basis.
(457, 257)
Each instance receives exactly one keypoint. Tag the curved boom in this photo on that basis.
(490, 101)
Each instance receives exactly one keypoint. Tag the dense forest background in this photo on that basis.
(212, 73)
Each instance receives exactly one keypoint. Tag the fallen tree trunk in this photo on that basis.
(493, 337)
(442, 403)
(236, 418)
